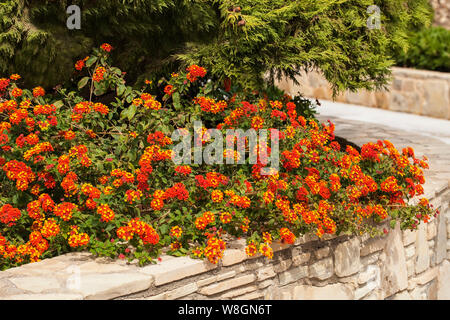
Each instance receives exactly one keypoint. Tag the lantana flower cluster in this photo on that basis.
(82, 174)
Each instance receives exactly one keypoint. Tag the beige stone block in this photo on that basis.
(266, 283)
(347, 258)
(282, 266)
(410, 251)
(233, 256)
(239, 292)
(409, 236)
(113, 285)
(331, 292)
(436, 99)
(265, 273)
(441, 239)
(423, 278)
(301, 258)
(322, 252)
(443, 287)
(431, 230)
(181, 292)
(36, 284)
(418, 293)
(410, 268)
(382, 99)
(293, 275)
(205, 282)
(365, 290)
(250, 296)
(394, 277)
(422, 249)
(44, 296)
(370, 259)
(94, 267)
(322, 269)
(404, 295)
(226, 285)
(176, 269)
(370, 273)
(226, 275)
(373, 245)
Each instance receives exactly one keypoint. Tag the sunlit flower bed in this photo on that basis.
(77, 174)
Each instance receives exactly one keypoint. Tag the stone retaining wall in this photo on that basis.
(413, 91)
(441, 13)
(401, 265)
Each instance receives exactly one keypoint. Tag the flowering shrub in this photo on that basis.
(78, 174)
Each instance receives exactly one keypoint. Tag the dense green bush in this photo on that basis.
(429, 49)
(240, 39)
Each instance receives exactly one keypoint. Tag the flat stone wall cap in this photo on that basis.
(109, 286)
(176, 269)
(44, 296)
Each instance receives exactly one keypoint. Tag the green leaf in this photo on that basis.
(58, 103)
(83, 82)
(120, 89)
(91, 61)
(393, 223)
(176, 100)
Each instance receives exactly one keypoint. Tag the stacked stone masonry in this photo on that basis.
(399, 265)
(419, 92)
(441, 13)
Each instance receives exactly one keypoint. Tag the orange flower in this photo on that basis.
(38, 92)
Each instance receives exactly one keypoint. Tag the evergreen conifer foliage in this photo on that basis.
(36, 43)
(242, 40)
(284, 37)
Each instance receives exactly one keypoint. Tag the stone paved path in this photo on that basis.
(427, 136)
